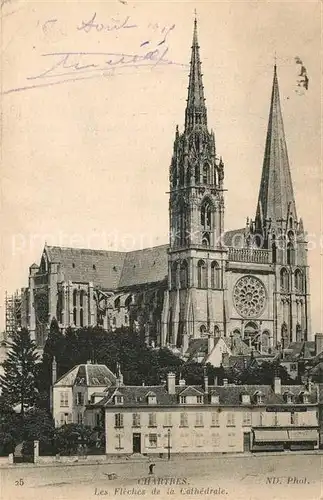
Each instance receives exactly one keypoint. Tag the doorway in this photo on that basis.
(136, 443)
(246, 441)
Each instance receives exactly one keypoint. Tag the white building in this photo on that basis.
(206, 419)
(72, 392)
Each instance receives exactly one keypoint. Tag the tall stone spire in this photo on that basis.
(276, 200)
(195, 110)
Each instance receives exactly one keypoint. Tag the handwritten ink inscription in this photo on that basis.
(70, 66)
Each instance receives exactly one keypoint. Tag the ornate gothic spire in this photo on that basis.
(195, 108)
(276, 198)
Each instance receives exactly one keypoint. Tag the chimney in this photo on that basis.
(88, 362)
(277, 385)
(206, 382)
(171, 383)
(54, 371)
(318, 343)
(225, 381)
(210, 343)
(182, 382)
(119, 381)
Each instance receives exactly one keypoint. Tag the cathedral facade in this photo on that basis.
(251, 283)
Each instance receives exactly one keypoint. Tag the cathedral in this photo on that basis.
(251, 283)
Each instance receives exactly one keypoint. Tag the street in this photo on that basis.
(253, 477)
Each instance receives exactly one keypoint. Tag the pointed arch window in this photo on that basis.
(284, 280)
(274, 250)
(74, 307)
(290, 253)
(284, 335)
(215, 275)
(206, 173)
(298, 333)
(174, 275)
(299, 284)
(290, 248)
(216, 331)
(206, 240)
(82, 294)
(184, 274)
(197, 174)
(206, 215)
(201, 274)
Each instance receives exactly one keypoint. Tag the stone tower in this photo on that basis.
(196, 207)
(278, 229)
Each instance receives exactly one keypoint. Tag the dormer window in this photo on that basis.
(245, 399)
(215, 399)
(152, 400)
(118, 400)
(182, 400)
(304, 397)
(288, 396)
(259, 397)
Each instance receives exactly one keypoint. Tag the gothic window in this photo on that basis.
(206, 174)
(197, 174)
(74, 306)
(184, 274)
(81, 308)
(274, 250)
(206, 240)
(215, 275)
(206, 215)
(249, 296)
(284, 335)
(182, 226)
(174, 275)
(216, 331)
(203, 330)
(298, 333)
(265, 340)
(284, 280)
(290, 248)
(201, 274)
(290, 253)
(299, 281)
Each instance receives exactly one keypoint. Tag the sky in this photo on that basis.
(86, 148)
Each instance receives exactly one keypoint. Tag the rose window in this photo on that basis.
(249, 297)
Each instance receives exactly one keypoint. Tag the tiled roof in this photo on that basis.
(88, 375)
(229, 395)
(100, 267)
(144, 266)
(111, 270)
(197, 348)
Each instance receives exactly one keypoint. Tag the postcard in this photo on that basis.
(161, 250)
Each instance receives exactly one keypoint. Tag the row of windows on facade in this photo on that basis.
(286, 280)
(180, 277)
(185, 440)
(213, 419)
(204, 175)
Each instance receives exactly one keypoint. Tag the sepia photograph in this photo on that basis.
(161, 250)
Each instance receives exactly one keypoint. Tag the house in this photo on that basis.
(181, 419)
(73, 391)
(217, 350)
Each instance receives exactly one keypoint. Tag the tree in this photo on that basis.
(19, 379)
(70, 437)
